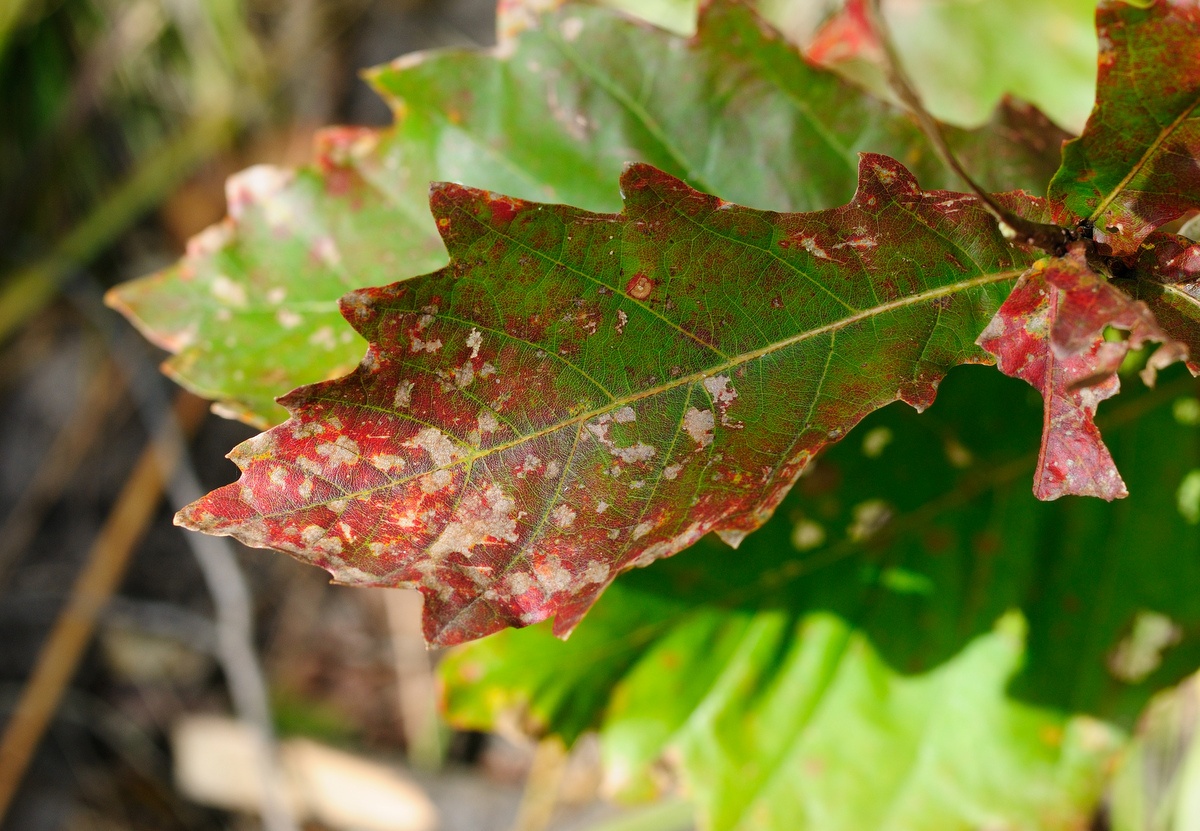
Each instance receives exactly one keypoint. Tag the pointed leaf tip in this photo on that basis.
(878, 171)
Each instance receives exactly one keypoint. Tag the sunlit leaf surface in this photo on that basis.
(577, 393)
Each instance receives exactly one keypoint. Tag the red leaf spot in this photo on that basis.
(503, 209)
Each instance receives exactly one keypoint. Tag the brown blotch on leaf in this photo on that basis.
(639, 286)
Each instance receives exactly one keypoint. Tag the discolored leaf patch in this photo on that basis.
(1050, 332)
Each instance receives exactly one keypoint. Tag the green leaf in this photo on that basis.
(964, 56)
(804, 727)
(1134, 167)
(577, 393)
(250, 313)
(251, 310)
(858, 663)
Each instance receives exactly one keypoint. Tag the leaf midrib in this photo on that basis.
(1141, 163)
(691, 378)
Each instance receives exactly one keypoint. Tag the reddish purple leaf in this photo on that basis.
(1135, 166)
(1050, 333)
(579, 393)
(1168, 272)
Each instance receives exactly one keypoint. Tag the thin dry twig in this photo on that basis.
(234, 623)
(542, 786)
(1049, 238)
(416, 688)
(101, 575)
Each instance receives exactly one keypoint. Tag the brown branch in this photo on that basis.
(1050, 238)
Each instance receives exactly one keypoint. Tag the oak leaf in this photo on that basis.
(250, 312)
(1168, 281)
(579, 393)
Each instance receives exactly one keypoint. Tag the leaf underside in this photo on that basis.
(579, 393)
(1168, 281)
(1051, 332)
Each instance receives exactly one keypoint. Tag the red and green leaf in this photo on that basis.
(1135, 167)
(251, 312)
(1050, 332)
(578, 393)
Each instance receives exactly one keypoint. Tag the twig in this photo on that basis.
(415, 685)
(541, 788)
(105, 566)
(671, 814)
(1050, 238)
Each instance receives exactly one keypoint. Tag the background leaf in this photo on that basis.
(964, 56)
(1156, 786)
(251, 311)
(903, 551)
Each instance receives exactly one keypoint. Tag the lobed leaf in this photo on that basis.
(851, 646)
(1134, 167)
(251, 312)
(1050, 332)
(579, 393)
